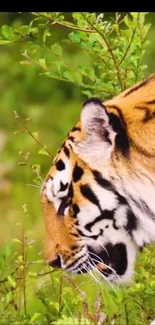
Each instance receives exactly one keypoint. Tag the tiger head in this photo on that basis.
(98, 197)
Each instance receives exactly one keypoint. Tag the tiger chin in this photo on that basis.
(98, 197)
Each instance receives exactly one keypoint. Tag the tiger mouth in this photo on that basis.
(110, 260)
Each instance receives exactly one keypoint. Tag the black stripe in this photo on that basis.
(108, 186)
(119, 126)
(71, 138)
(75, 234)
(75, 128)
(143, 83)
(141, 150)
(71, 191)
(75, 208)
(150, 102)
(102, 181)
(66, 151)
(119, 113)
(63, 186)
(74, 262)
(77, 173)
(121, 139)
(148, 114)
(89, 195)
(60, 165)
(63, 205)
(143, 207)
(131, 222)
(91, 236)
(106, 214)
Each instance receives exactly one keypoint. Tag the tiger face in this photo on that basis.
(98, 213)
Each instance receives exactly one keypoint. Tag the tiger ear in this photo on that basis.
(98, 139)
(95, 120)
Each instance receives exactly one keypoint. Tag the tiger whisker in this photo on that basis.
(103, 276)
(91, 273)
(111, 269)
(107, 266)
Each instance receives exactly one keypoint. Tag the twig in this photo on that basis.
(31, 134)
(83, 295)
(126, 314)
(109, 49)
(129, 45)
(73, 27)
(6, 279)
(60, 293)
(24, 256)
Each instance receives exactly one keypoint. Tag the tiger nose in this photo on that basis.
(55, 263)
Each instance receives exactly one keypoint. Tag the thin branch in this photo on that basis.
(129, 45)
(73, 27)
(31, 134)
(24, 257)
(109, 49)
(6, 279)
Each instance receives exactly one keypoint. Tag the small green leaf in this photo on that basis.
(55, 305)
(43, 151)
(7, 32)
(45, 35)
(3, 42)
(11, 281)
(68, 75)
(24, 30)
(35, 134)
(34, 317)
(42, 63)
(77, 77)
(33, 274)
(56, 49)
(75, 37)
(8, 296)
(16, 240)
(88, 93)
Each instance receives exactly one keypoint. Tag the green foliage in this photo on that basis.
(49, 63)
(115, 49)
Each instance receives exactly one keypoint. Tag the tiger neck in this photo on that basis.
(136, 181)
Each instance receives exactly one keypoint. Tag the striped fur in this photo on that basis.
(99, 196)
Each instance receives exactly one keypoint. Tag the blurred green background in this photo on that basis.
(53, 108)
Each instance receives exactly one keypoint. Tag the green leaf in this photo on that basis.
(43, 151)
(77, 77)
(42, 63)
(3, 42)
(57, 49)
(88, 93)
(7, 32)
(16, 240)
(8, 296)
(75, 37)
(24, 30)
(68, 75)
(129, 22)
(55, 305)
(34, 317)
(11, 281)
(9, 249)
(45, 35)
(33, 274)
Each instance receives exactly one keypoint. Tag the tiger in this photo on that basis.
(98, 198)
